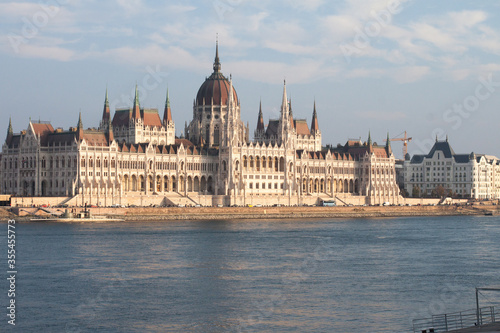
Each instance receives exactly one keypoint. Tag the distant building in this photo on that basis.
(135, 154)
(442, 172)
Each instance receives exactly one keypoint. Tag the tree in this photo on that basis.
(415, 192)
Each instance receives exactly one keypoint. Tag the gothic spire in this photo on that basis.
(79, 130)
(370, 145)
(10, 132)
(292, 124)
(260, 119)
(136, 111)
(167, 114)
(314, 122)
(388, 145)
(105, 112)
(284, 102)
(217, 61)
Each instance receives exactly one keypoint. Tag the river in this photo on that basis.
(320, 275)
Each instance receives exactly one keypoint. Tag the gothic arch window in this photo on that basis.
(207, 134)
(216, 135)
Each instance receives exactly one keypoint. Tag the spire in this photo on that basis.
(167, 114)
(284, 102)
(217, 61)
(260, 119)
(79, 130)
(370, 145)
(292, 124)
(314, 122)
(10, 132)
(136, 110)
(105, 112)
(388, 145)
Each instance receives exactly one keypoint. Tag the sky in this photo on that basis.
(427, 67)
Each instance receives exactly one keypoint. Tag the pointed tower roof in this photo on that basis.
(314, 122)
(370, 144)
(284, 102)
(105, 112)
(79, 131)
(217, 65)
(167, 114)
(260, 119)
(10, 132)
(388, 145)
(136, 110)
(292, 124)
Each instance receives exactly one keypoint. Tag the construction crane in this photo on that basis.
(405, 140)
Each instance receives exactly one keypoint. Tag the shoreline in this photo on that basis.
(139, 214)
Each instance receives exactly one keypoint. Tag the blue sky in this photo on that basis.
(427, 67)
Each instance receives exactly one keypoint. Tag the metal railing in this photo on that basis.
(455, 321)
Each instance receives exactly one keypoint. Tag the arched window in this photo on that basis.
(216, 135)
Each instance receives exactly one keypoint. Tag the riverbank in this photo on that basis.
(222, 213)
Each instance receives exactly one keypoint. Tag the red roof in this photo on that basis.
(217, 87)
(301, 127)
(95, 138)
(43, 130)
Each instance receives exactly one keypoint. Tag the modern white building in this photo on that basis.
(442, 172)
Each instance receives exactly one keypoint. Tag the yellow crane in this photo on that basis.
(405, 140)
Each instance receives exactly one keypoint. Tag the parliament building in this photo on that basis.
(134, 158)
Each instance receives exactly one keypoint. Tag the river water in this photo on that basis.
(321, 275)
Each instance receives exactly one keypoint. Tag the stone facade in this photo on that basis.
(462, 175)
(135, 158)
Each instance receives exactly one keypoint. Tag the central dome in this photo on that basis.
(216, 87)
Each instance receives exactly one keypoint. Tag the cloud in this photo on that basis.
(309, 5)
(130, 6)
(47, 52)
(410, 74)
